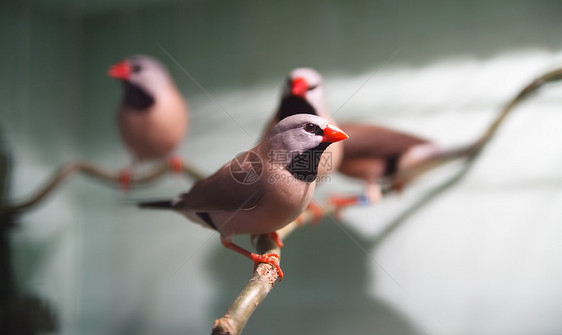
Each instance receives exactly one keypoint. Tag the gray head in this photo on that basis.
(143, 72)
(303, 93)
(301, 132)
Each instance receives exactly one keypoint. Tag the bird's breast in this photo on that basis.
(156, 132)
(283, 201)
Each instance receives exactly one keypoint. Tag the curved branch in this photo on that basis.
(95, 172)
(262, 281)
(471, 151)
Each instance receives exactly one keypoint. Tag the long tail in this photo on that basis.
(159, 204)
(472, 150)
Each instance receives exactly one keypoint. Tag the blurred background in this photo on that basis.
(480, 254)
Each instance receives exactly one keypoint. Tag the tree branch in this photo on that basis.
(262, 281)
(92, 171)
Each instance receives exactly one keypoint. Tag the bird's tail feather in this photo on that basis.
(159, 204)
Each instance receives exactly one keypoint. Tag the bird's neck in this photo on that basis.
(292, 105)
(305, 165)
(136, 97)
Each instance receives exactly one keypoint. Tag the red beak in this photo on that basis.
(333, 134)
(299, 87)
(121, 70)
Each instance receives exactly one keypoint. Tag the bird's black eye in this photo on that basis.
(136, 68)
(311, 128)
(310, 88)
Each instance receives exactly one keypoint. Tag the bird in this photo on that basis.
(262, 189)
(378, 152)
(153, 115)
(303, 93)
(387, 159)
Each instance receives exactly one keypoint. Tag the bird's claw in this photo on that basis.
(271, 259)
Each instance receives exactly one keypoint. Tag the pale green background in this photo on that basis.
(484, 257)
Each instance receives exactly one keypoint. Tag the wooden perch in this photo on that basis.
(95, 172)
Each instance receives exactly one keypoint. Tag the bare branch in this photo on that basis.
(95, 172)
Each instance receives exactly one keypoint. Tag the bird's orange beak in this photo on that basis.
(121, 70)
(333, 134)
(299, 87)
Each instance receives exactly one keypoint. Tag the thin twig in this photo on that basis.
(93, 171)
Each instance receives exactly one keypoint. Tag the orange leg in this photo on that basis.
(272, 259)
(346, 201)
(125, 180)
(276, 239)
(373, 194)
(176, 164)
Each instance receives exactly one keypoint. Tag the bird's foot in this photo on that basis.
(271, 259)
(176, 164)
(125, 180)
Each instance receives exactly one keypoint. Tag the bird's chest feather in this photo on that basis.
(281, 204)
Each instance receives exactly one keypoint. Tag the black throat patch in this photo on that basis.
(305, 166)
(292, 105)
(136, 98)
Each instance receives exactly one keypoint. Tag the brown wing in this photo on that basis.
(239, 184)
(371, 141)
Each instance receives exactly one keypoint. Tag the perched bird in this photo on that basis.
(387, 160)
(153, 115)
(376, 153)
(263, 189)
(303, 93)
